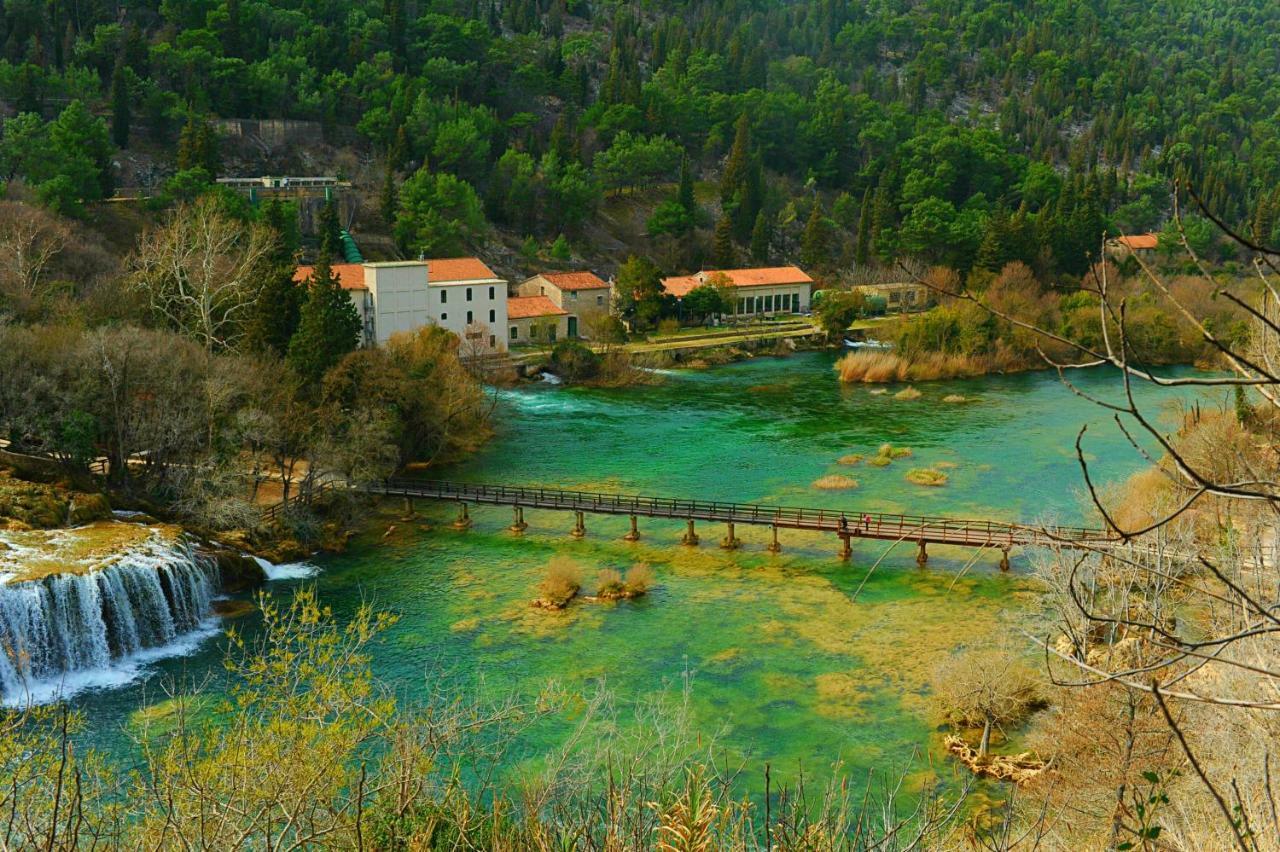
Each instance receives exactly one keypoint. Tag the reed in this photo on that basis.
(835, 482)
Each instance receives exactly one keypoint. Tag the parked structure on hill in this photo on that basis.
(759, 291)
(896, 296)
(1142, 245)
(537, 319)
(460, 294)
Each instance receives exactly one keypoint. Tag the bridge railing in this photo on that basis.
(880, 523)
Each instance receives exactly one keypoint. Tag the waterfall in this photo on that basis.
(88, 629)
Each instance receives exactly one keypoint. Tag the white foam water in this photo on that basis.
(287, 570)
(67, 632)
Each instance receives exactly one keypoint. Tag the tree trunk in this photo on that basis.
(986, 739)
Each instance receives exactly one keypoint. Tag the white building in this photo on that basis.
(461, 294)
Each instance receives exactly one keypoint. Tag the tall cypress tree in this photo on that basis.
(685, 195)
(862, 254)
(760, 237)
(329, 230)
(722, 253)
(328, 325)
(735, 168)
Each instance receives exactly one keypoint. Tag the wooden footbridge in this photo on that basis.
(921, 530)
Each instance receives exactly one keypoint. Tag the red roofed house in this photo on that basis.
(1139, 244)
(579, 293)
(461, 294)
(764, 290)
(536, 319)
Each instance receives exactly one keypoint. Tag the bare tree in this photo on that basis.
(201, 271)
(30, 238)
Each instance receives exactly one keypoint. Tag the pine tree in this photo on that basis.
(198, 146)
(722, 253)
(328, 325)
(121, 109)
(329, 230)
(815, 244)
(273, 320)
(862, 254)
(685, 195)
(760, 239)
(389, 201)
(232, 42)
(735, 168)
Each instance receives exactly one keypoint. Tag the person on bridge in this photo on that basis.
(844, 523)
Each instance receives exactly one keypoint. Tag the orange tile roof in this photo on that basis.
(444, 270)
(350, 275)
(576, 280)
(1139, 242)
(765, 276)
(524, 307)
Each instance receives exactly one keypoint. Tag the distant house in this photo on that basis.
(1118, 248)
(573, 291)
(536, 319)
(460, 294)
(759, 291)
(897, 296)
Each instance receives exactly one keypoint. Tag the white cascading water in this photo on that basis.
(71, 627)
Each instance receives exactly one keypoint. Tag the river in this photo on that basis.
(798, 660)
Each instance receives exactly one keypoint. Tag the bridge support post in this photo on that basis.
(634, 533)
(409, 513)
(846, 549)
(690, 536)
(517, 520)
(579, 526)
(463, 521)
(730, 541)
(1004, 559)
(922, 555)
(774, 546)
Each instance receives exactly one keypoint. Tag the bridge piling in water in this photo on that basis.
(690, 538)
(1004, 559)
(730, 541)
(518, 525)
(634, 533)
(579, 525)
(463, 520)
(922, 555)
(846, 547)
(774, 546)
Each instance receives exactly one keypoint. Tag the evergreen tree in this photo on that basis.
(329, 230)
(273, 319)
(232, 40)
(684, 195)
(389, 200)
(862, 254)
(735, 168)
(815, 244)
(121, 108)
(760, 239)
(198, 146)
(328, 325)
(723, 255)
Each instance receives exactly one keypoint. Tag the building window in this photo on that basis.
(490, 292)
(468, 294)
(444, 318)
(493, 342)
(470, 318)
(493, 316)
(444, 296)
(768, 304)
(573, 294)
(599, 300)
(515, 332)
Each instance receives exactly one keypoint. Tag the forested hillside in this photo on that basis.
(828, 132)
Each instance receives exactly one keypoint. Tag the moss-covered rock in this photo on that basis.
(239, 573)
(43, 506)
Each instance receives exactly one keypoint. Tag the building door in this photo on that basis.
(573, 327)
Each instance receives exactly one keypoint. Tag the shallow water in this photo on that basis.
(797, 659)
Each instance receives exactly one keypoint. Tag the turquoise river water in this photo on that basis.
(797, 659)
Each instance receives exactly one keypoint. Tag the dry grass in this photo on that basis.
(927, 476)
(561, 582)
(886, 367)
(639, 578)
(609, 582)
(908, 393)
(835, 482)
(879, 461)
(852, 458)
(892, 452)
(955, 397)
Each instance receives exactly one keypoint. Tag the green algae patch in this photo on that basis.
(835, 482)
(35, 554)
(842, 696)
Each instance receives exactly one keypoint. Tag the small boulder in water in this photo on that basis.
(238, 573)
